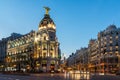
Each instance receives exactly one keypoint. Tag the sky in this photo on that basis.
(77, 21)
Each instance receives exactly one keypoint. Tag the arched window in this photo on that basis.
(44, 37)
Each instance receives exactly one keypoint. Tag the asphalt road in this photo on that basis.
(54, 76)
(34, 77)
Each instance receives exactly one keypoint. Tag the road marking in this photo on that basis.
(17, 79)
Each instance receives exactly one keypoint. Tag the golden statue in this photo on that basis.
(47, 9)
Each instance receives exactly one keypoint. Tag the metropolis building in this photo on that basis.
(36, 51)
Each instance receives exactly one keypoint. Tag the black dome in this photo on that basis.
(45, 21)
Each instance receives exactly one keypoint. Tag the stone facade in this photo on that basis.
(93, 55)
(19, 52)
(79, 60)
(3, 48)
(109, 49)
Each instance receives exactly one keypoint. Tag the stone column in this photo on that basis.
(48, 49)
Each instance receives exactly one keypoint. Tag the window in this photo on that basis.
(116, 37)
(51, 37)
(44, 61)
(110, 37)
(51, 48)
(44, 47)
(111, 32)
(8, 53)
(110, 44)
(52, 62)
(116, 43)
(44, 37)
(51, 55)
(110, 48)
(111, 41)
(116, 33)
(44, 55)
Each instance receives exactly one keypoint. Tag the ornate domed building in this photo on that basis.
(47, 45)
(36, 51)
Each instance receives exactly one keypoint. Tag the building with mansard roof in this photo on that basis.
(105, 51)
(109, 50)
